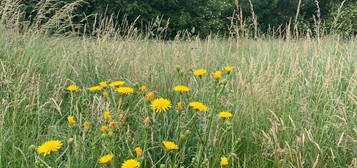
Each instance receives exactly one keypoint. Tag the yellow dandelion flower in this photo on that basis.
(130, 164)
(72, 88)
(160, 105)
(224, 114)
(138, 151)
(116, 83)
(103, 84)
(150, 95)
(198, 106)
(106, 158)
(217, 75)
(107, 115)
(200, 72)
(86, 124)
(224, 161)
(95, 88)
(228, 68)
(105, 94)
(179, 106)
(113, 124)
(49, 147)
(104, 128)
(181, 88)
(143, 88)
(170, 145)
(125, 90)
(71, 120)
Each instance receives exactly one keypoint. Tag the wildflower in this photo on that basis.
(116, 83)
(228, 68)
(130, 164)
(146, 121)
(71, 120)
(113, 124)
(150, 95)
(103, 84)
(86, 124)
(181, 88)
(72, 88)
(125, 90)
(217, 75)
(225, 114)
(121, 117)
(95, 88)
(179, 106)
(138, 151)
(170, 145)
(198, 106)
(105, 94)
(104, 128)
(224, 161)
(107, 115)
(200, 72)
(160, 105)
(143, 88)
(49, 147)
(106, 158)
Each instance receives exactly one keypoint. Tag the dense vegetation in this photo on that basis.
(205, 16)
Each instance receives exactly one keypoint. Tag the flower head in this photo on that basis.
(146, 121)
(224, 161)
(103, 84)
(228, 68)
(105, 94)
(143, 88)
(217, 75)
(170, 145)
(160, 105)
(198, 106)
(224, 114)
(116, 83)
(107, 115)
(130, 164)
(113, 124)
(200, 72)
(125, 90)
(49, 147)
(138, 151)
(179, 106)
(150, 95)
(104, 128)
(71, 120)
(181, 88)
(106, 158)
(86, 124)
(72, 88)
(95, 88)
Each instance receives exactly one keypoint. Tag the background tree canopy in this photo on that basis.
(202, 17)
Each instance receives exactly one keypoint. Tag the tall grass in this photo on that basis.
(294, 102)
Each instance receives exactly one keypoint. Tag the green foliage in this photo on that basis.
(345, 22)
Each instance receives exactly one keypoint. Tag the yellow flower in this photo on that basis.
(107, 115)
(104, 128)
(160, 105)
(125, 90)
(198, 106)
(105, 94)
(138, 151)
(113, 124)
(150, 95)
(170, 145)
(217, 75)
(72, 88)
(103, 84)
(130, 164)
(49, 147)
(95, 88)
(181, 88)
(86, 124)
(179, 106)
(225, 114)
(106, 158)
(228, 68)
(71, 120)
(117, 83)
(224, 161)
(143, 88)
(200, 72)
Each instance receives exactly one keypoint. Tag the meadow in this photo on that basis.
(102, 102)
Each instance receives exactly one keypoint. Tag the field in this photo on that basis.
(293, 102)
